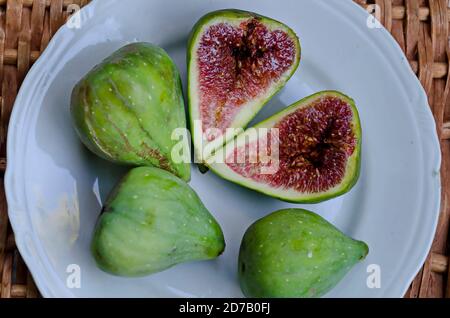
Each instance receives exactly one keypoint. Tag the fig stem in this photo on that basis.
(203, 169)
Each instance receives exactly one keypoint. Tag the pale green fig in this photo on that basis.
(127, 108)
(153, 220)
(295, 253)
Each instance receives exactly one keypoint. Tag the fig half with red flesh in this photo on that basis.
(237, 60)
(308, 153)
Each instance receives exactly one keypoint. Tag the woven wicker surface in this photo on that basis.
(419, 26)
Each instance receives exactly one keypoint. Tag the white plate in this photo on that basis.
(54, 185)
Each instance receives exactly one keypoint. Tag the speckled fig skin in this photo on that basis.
(126, 108)
(295, 253)
(153, 220)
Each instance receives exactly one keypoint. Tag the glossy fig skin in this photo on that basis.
(295, 253)
(153, 220)
(126, 109)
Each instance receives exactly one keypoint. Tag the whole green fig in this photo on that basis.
(127, 108)
(153, 220)
(295, 253)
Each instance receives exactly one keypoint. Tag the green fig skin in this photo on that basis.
(152, 221)
(126, 109)
(295, 253)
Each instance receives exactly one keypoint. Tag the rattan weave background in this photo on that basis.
(421, 27)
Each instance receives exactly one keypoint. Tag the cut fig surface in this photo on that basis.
(237, 61)
(308, 153)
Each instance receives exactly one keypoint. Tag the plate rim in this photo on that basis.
(431, 151)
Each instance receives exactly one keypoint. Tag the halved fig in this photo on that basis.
(308, 153)
(236, 60)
